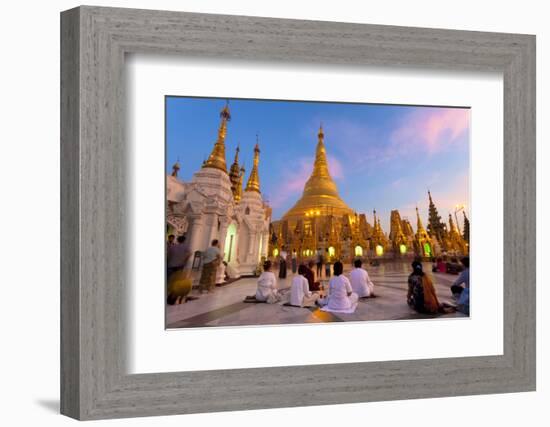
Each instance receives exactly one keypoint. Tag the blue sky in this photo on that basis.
(381, 157)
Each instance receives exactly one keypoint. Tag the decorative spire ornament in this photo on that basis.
(217, 156)
(235, 178)
(176, 168)
(253, 183)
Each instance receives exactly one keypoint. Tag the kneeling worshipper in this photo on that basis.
(300, 295)
(267, 286)
(421, 294)
(341, 298)
(310, 276)
(360, 281)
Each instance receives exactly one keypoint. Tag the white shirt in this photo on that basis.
(338, 289)
(299, 288)
(360, 282)
(267, 284)
(211, 254)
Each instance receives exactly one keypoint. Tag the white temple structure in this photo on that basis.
(214, 206)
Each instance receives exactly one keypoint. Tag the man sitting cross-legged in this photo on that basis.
(300, 294)
(360, 281)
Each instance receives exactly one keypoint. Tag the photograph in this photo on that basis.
(298, 212)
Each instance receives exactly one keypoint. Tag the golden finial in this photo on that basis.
(235, 178)
(176, 168)
(452, 225)
(253, 183)
(217, 157)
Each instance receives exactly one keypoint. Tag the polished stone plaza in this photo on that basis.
(225, 306)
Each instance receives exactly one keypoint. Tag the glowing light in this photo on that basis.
(379, 250)
(275, 252)
(427, 249)
(402, 249)
(331, 251)
(358, 251)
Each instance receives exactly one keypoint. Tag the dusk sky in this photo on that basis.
(381, 157)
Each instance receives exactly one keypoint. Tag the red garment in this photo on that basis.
(442, 267)
(310, 280)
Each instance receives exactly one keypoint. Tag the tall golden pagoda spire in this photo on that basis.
(452, 226)
(320, 196)
(419, 225)
(217, 156)
(234, 177)
(253, 183)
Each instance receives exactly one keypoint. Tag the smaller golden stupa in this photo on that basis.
(217, 156)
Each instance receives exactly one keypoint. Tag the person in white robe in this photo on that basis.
(300, 295)
(231, 272)
(220, 273)
(267, 286)
(341, 297)
(360, 281)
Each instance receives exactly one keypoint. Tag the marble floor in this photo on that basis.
(225, 306)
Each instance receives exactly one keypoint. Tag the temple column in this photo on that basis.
(224, 224)
(194, 237)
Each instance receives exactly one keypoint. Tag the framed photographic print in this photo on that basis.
(295, 209)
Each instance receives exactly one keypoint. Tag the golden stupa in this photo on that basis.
(320, 196)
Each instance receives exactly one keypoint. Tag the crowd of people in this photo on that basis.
(337, 293)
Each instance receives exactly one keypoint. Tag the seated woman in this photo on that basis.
(300, 295)
(340, 294)
(310, 276)
(267, 286)
(360, 281)
(421, 294)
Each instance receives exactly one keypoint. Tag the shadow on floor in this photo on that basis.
(51, 405)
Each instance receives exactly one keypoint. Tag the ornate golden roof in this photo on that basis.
(419, 227)
(217, 156)
(320, 196)
(253, 183)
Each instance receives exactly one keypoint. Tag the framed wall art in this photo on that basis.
(261, 213)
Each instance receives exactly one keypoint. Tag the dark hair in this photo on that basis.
(465, 261)
(267, 265)
(417, 267)
(214, 242)
(439, 259)
(453, 259)
(310, 263)
(171, 236)
(181, 239)
(338, 268)
(302, 269)
(358, 263)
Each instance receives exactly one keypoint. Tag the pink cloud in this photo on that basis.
(430, 129)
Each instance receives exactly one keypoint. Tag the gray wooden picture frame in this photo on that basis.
(94, 41)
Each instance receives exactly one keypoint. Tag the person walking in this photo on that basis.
(211, 259)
